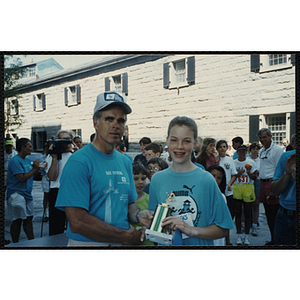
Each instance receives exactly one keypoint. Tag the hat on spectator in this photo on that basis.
(242, 147)
(9, 142)
(107, 98)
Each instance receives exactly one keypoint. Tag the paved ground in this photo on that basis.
(42, 229)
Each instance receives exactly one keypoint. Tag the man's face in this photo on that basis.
(265, 140)
(65, 135)
(8, 148)
(111, 127)
(27, 149)
(149, 154)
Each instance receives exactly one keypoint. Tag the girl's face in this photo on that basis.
(217, 175)
(254, 152)
(152, 169)
(139, 182)
(222, 149)
(181, 143)
(211, 148)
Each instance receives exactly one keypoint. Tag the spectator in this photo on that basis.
(284, 185)
(236, 142)
(198, 146)
(195, 190)
(208, 155)
(243, 192)
(54, 169)
(269, 157)
(8, 154)
(120, 147)
(142, 157)
(102, 181)
(154, 165)
(254, 150)
(19, 187)
(142, 201)
(152, 150)
(227, 163)
(78, 141)
(220, 177)
(45, 185)
(285, 143)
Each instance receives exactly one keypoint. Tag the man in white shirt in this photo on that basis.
(269, 157)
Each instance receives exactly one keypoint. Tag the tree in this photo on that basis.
(12, 73)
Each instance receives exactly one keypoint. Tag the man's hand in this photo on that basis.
(36, 164)
(134, 236)
(145, 217)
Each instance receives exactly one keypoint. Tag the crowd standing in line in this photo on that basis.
(251, 176)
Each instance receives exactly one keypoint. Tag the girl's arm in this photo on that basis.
(232, 180)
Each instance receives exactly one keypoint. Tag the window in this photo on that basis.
(76, 132)
(14, 108)
(29, 71)
(39, 138)
(271, 62)
(180, 73)
(118, 83)
(72, 95)
(281, 126)
(39, 102)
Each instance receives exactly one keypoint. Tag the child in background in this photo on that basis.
(195, 190)
(220, 177)
(152, 150)
(208, 155)
(253, 150)
(139, 176)
(243, 192)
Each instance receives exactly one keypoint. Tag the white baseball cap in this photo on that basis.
(107, 98)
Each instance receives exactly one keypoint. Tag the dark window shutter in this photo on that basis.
(293, 59)
(66, 96)
(253, 128)
(34, 137)
(78, 94)
(44, 138)
(106, 84)
(166, 75)
(125, 83)
(33, 102)
(43, 101)
(292, 123)
(191, 70)
(255, 63)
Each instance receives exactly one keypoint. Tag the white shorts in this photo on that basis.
(18, 207)
(73, 243)
(45, 184)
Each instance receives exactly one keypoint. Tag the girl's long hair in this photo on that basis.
(201, 158)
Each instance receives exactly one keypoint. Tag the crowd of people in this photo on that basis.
(102, 196)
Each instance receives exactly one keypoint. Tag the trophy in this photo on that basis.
(156, 233)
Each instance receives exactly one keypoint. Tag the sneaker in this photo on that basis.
(254, 231)
(239, 241)
(247, 241)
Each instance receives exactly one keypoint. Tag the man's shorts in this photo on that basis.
(18, 207)
(244, 192)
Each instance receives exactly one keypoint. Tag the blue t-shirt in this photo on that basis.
(196, 192)
(101, 184)
(18, 165)
(288, 198)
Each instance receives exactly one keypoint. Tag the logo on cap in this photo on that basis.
(113, 97)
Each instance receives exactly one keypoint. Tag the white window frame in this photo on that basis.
(263, 124)
(116, 84)
(72, 95)
(266, 67)
(174, 75)
(39, 102)
(14, 107)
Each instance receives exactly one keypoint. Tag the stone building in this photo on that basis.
(228, 95)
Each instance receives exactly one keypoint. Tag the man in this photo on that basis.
(269, 156)
(142, 157)
(97, 188)
(54, 169)
(8, 154)
(152, 150)
(19, 187)
(78, 141)
(284, 185)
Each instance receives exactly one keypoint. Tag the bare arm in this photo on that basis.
(24, 176)
(83, 223)
(279, 185)
(136, 215)
(232, 180)
(53, 170)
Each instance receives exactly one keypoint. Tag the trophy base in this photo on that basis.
(158, 237)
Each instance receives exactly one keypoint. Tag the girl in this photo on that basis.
(220, 177)
(208, 155)
(195, 190)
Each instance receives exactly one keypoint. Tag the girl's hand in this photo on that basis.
(229, 188)
(174, 223)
